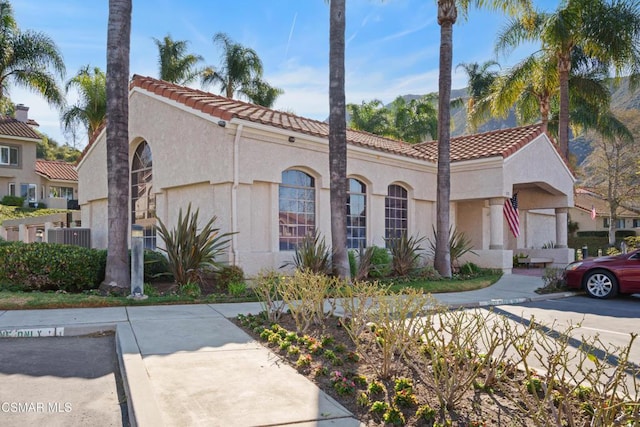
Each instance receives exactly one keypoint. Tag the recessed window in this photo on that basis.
(395, 212)
(297, 208)
(8, 156)
(64, 192)
(12, 188)
(29, 192)
(356, 215)
(143, 199)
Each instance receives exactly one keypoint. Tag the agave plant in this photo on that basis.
(459, 245)
(405, 253)
(190, 250)
(312, 254)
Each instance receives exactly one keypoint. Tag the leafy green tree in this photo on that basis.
(338, 139)
(262, 93)
(370, 117)
(91, 109)
(176, 65)
(28, 59)
(117, 275)
(607, 31)
(447, 16)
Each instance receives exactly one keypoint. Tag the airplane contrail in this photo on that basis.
(293, 26)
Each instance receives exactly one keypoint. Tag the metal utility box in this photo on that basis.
(70, 236)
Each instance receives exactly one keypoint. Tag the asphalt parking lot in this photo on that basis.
(61, 381)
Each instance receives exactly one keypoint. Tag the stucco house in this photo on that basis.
(591, 212)
(265, 174)
(38, 181)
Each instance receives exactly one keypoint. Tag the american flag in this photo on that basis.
(593, 212)
(510, 210)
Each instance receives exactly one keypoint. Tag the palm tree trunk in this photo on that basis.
(118, 38)
(545, 109)
(447, 15)
(338, 139)
(564, 66)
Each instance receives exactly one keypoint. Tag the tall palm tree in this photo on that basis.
(447, 16)
(607, 31)
(28, 59)
(117, 275)
(91, 109)
(480, 78)
(414, 121)
(176, 65)
(262, 93)
(369, 116)
(239, 69)
(338, 138)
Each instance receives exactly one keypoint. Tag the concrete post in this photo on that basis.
(561, 227)
(496, 240)
(137, 262)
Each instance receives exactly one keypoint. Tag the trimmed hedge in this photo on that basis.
(12, 201)
(51, 266)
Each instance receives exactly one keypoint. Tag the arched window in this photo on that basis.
(395, 212)
(297, 205)
(143, 200)
(356, 215)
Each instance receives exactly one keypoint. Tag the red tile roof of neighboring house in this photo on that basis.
(12, 127)
(490, 144)
(56, 170)
(585, 199)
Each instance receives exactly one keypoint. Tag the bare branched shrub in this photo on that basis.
(310, 297)
(268, 292)
(382, 326)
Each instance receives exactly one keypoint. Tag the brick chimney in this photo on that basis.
(22, 113)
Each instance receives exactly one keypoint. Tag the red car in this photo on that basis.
(605, 277)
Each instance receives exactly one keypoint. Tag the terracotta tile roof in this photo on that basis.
(56, 170)
(496, 143)
(502, 142)
(586, 199)
(12, 127)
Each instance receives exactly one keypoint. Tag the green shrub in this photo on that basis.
(405, 253)
(51, 266)
(156, 267)
(380, 263)
(12, 201)
(190, 252)
(229, 274)
(352, 262)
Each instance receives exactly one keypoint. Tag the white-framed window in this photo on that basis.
(636, 223)
(395, 212)
(619, 224)
(143, 199)
(12, 189)
(8, 155)
(29, 192)
(64, 192)
(356, 214)
(297, 208)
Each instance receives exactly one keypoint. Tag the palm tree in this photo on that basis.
(91, 109)
(28, 59)
(176, 65)
(414, 121)
(338, 138)
(369, 116)
(239, 69)
(606, 31)
(262, 93)
(117, 278)
(447, 16)
(480, 80)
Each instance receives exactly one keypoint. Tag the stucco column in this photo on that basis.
(496, 239)
(561, 227)
(23, 233)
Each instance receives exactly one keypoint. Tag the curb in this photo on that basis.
(493, 302)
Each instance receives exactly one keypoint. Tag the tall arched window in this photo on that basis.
(356, 215)
(143, 200)
(297, 206)
(395, 212)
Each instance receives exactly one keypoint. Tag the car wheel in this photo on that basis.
(601, 284)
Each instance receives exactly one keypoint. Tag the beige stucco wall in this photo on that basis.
(25, 172)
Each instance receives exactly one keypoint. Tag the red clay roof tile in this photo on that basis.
(56, 170)
(12, 127)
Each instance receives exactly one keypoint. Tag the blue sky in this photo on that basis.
(392, 46)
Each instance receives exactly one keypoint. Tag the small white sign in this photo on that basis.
(31, 333)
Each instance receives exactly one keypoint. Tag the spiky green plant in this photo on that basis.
(312, 255)
(191, 250)
(459, 245)
(405, 253)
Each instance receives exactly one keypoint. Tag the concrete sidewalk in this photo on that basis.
(190, 365)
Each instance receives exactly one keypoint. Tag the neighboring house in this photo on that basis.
(265, 174)
(588, 202)
(51, 183)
